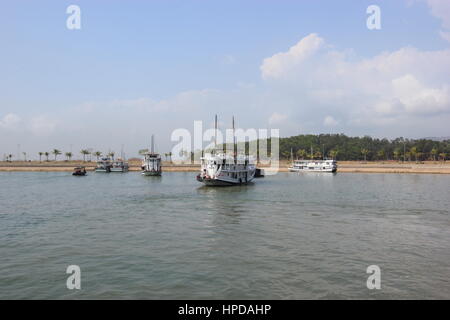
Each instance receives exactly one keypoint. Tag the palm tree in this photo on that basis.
(84, 152)
(318, 154)
(40, 155)
(414, 153)
(381, 154)
(408, 155)
(434, 153)
(170, 156)
(68, 155)
(46, 155)
(397, 154)
(443, 156)
(98, 154)
(301, 153)
(333, 154)
(285, 154)
(10, 157)
(56, 152)
(111, 154)
(365, 152)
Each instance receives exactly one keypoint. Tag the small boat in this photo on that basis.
(79, 171)
(259, 173)
(151, 163)
(119, 166)
(103, 165)
(219, 169)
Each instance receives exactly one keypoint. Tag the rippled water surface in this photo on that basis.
(288, 236)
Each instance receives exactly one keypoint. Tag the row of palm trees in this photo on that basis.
(303, 154)
(69, 155)
(413, 153)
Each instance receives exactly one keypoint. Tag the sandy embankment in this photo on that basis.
(343, 166)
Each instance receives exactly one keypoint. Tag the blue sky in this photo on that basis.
(142, 67)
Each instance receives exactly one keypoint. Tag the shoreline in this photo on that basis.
(429, 167)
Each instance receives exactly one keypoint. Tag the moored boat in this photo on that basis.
(151, 162)
(103, 165)
(313, 166)
(221, 169)
(119, 165)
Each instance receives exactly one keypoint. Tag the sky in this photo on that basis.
(137, 68)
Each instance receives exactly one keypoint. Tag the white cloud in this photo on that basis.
(10, 121)
(278, 64)
(406, 83)
(441, 10)
(329, 121)
(277, 118)
(42, 125)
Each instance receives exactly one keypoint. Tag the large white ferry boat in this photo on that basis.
(151, 163)
(221, 169)
(313, 166)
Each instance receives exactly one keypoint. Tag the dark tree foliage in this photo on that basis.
(351, 148)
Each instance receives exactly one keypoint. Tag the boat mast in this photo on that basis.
(234, 145)
(215, 134)
(152, 145)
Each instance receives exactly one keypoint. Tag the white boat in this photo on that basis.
(103, 165)
(220, 169)
(119, 166)
(151, 163)
(226, 170)
(313, 166)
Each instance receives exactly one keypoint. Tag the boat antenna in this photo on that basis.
(152, 145)
(234, 144)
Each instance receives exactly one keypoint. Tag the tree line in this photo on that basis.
(68, 155)
(342, 147)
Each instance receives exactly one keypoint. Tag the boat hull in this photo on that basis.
(330, 170)
(119, 170)
(218, 182)
(151, 173)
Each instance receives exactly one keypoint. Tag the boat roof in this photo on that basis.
(314, 160)
(226, 156)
